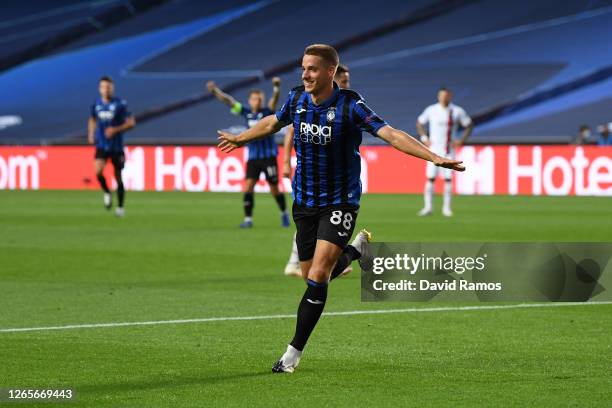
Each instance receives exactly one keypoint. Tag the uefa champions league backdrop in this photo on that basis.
(230, 203)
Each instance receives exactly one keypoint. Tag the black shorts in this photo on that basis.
(334, 223)
(117, 158)
(268, 166)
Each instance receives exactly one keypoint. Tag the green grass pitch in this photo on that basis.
(65, 260)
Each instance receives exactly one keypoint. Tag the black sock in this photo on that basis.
(280, 200)
(120, 190)
(102, 181)
(249, 203)
(309, 311)
(349, 254)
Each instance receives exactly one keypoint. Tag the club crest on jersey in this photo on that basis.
(331, 114)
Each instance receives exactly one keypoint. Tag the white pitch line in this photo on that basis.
(287, 316)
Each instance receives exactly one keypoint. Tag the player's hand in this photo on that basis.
(227, 142)
(457, 144)
(276, 81)
(211, 86)
(90, 139)
(449, 163)
(110, 131)
(287, 170)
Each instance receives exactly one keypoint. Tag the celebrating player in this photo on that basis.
(342, 78)
(262, 153)
(109, 118)
(443, 118)
(328, 122)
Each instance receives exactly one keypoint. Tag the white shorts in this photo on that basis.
(432, 170)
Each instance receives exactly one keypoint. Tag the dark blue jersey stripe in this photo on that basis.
(300, 185)
(316, 159)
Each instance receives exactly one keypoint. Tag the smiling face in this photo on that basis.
(317, 74)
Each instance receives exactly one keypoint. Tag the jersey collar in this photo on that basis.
(326, 103)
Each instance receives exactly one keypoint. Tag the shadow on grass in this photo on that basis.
(171, 381)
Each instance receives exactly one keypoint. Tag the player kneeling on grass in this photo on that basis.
(109, 118)
(328, 122)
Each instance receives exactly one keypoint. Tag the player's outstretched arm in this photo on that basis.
(276, 82)
(265, 127)
(287, 145)
(220, 95)
(403, 142)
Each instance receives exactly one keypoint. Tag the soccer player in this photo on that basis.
(328, 122)
(262, 153)
(342, 78)
(443, 118)
(108, 119)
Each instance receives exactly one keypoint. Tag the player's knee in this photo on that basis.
(319, 274)
(250, 186)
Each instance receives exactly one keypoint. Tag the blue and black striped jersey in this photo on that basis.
(265, 148)
(113, 113)
(326, 139)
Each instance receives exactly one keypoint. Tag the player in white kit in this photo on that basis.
(443, 119)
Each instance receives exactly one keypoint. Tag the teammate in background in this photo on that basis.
(443, 119)
(326, 185)
(342, 78)
(605, 137)
(108, 119)
(262, 153)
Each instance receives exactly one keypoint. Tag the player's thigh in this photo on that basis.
(448, 173)
(431, 170)
(336, 224)
(99, 165)
(325, 257)
(118, 160)
(271, 171)
(253, 170)
(306, 224)
(250, 185)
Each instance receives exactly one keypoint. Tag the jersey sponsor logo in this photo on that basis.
(315, 134)
(106, 115)
(301, 110)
